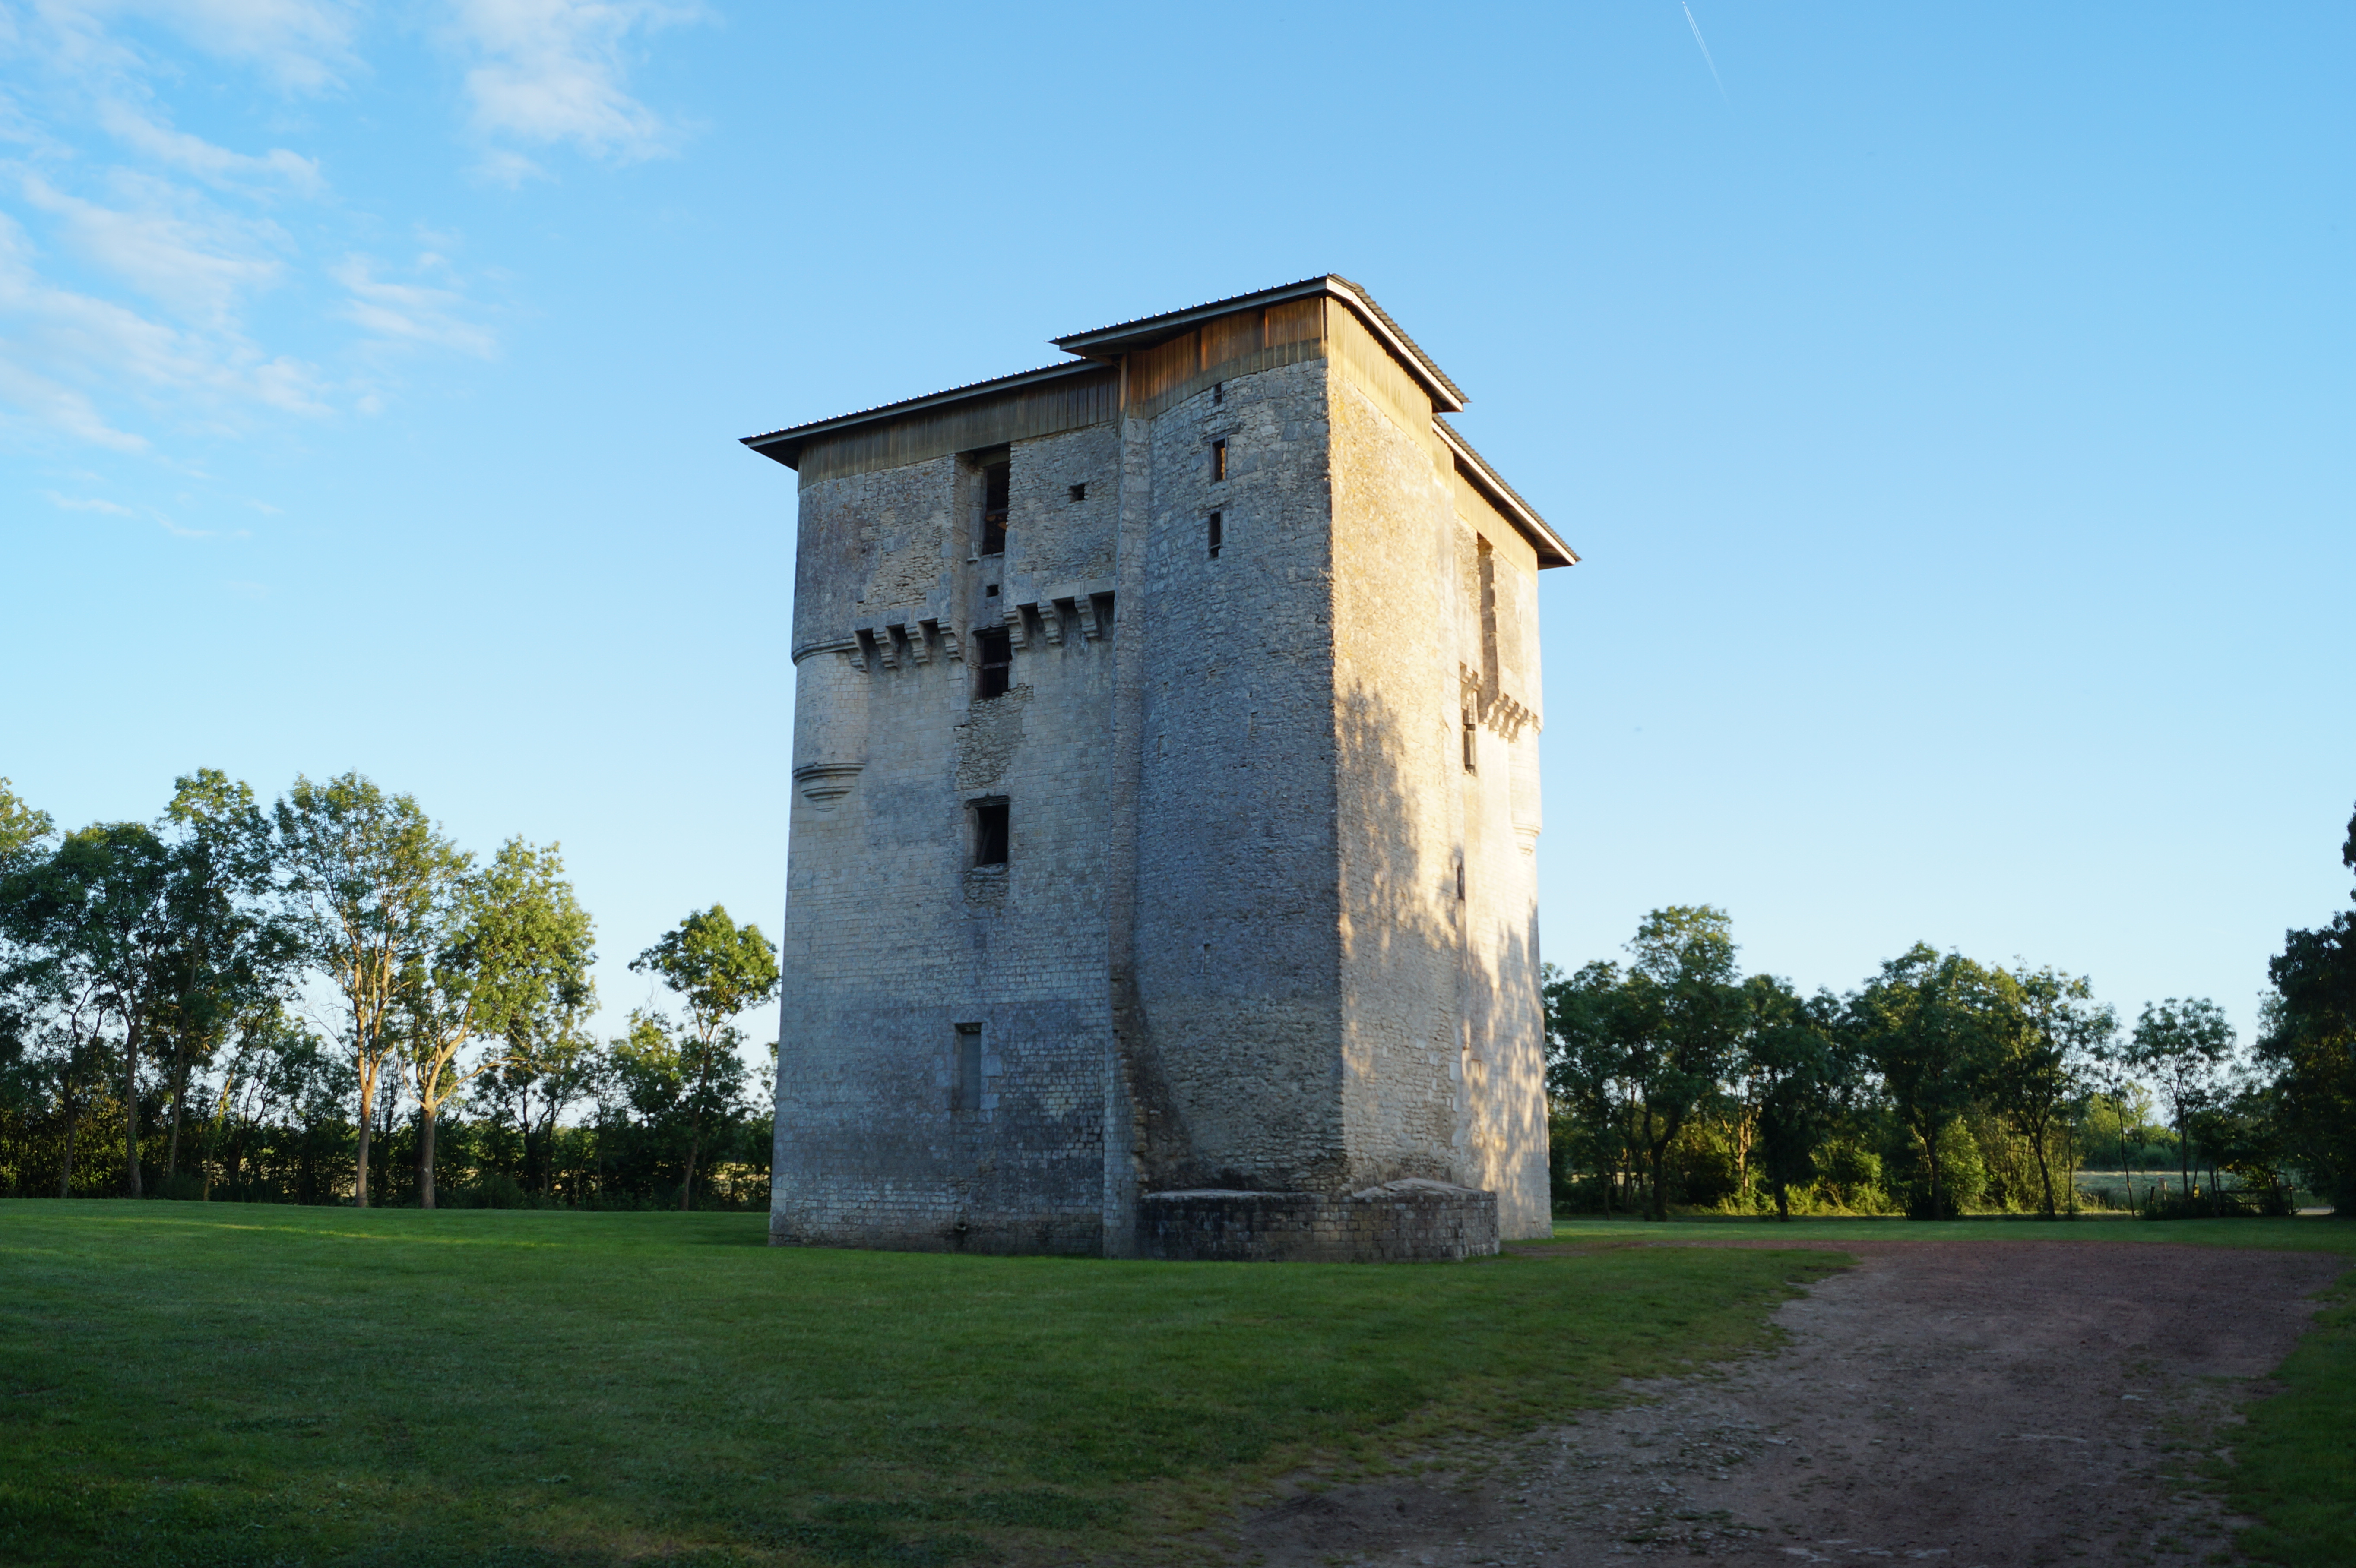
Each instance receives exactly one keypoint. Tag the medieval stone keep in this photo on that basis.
(1165, 800)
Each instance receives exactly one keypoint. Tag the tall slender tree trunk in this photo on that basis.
(65, 1178)
(179, 1102)
(131, 1185)
(687, 1188)
(368, 1131)
(426, 1119)
(2037, 1144)
(2124, 1163)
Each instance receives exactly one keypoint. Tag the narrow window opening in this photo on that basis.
(1219, 458)
(994, 485)
(1079, 492)
(990, 834)
(1218, 392)
(997, 663)
(1471, 736)
(1217, 533)
(968, 1067)
(1459, 879)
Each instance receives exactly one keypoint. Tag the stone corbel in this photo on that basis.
(1051, 620)
(887, 653)
(1085, 605)
(920, 650)
(948, 634)
(1018, 635)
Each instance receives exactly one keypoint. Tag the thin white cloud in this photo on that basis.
(199, 262)
(218, 166)
(550, 71)
(410, 313)
(58, 347)
(304, 46)
(88, 503)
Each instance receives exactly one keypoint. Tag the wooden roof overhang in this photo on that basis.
(1108, 344)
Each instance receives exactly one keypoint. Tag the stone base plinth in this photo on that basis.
(1399, 1222)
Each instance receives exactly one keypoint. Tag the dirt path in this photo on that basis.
(1971, 1404)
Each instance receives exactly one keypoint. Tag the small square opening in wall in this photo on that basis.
(1216, 533)
(996, 670)
(1079, 492)
(1219, 458)
(990, 833)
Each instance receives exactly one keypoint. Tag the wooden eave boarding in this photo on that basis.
(1108, 346)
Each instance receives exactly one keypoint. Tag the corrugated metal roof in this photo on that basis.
(1148, 329)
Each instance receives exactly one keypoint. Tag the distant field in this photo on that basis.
(224, 1384)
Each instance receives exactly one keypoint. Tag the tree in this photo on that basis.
(2049, 1030)
(1588, 1034)
(2309, 1044)
(23, 830)
(1923, 1025)
(369, 884)
(1684, 1012)
(93, 913)
(224, 957)
(519, 945)
(1790, 1055)
(550, 1061)
(721, 970)
(2183, 1044)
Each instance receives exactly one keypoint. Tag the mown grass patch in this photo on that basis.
(184, 1384)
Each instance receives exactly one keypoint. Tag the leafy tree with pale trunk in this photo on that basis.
(721, 970)
(1924, 1026)
(225, 958)
(2048, 1033)
(94, 912)
(519, 946)
(2183, 1044)
(370, 883)
(2311, 1044)
(1685, 1012)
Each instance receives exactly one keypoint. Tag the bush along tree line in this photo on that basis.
(1941, 1085)
(325, 1000)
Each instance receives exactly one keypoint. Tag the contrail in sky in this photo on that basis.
(1705, 52)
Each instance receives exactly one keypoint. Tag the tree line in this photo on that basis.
(326, 999)
(1940, 1084)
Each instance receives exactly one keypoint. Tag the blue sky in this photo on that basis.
(1952, 409)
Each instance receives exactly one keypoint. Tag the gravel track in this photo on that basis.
(1969, 1405)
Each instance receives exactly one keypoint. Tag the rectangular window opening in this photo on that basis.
(1217, 532)
(968, 1067)
(997, 668)
(1219, 458)
(995, 478)
(1079, 492)
(1218, 392)
(990, 834)
(1459, 879)
(1472, 737)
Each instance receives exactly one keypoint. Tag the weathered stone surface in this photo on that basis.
(1261, 928)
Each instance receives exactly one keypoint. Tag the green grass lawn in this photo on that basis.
(2295, 1468)
(224, 1384)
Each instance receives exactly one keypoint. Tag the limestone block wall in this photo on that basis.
(896, 948)
(1235, 940)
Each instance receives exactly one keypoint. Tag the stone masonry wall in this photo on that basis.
(1235, 943)
(1404, 1221)
(891, 938)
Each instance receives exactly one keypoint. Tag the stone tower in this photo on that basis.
(1165, 803)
